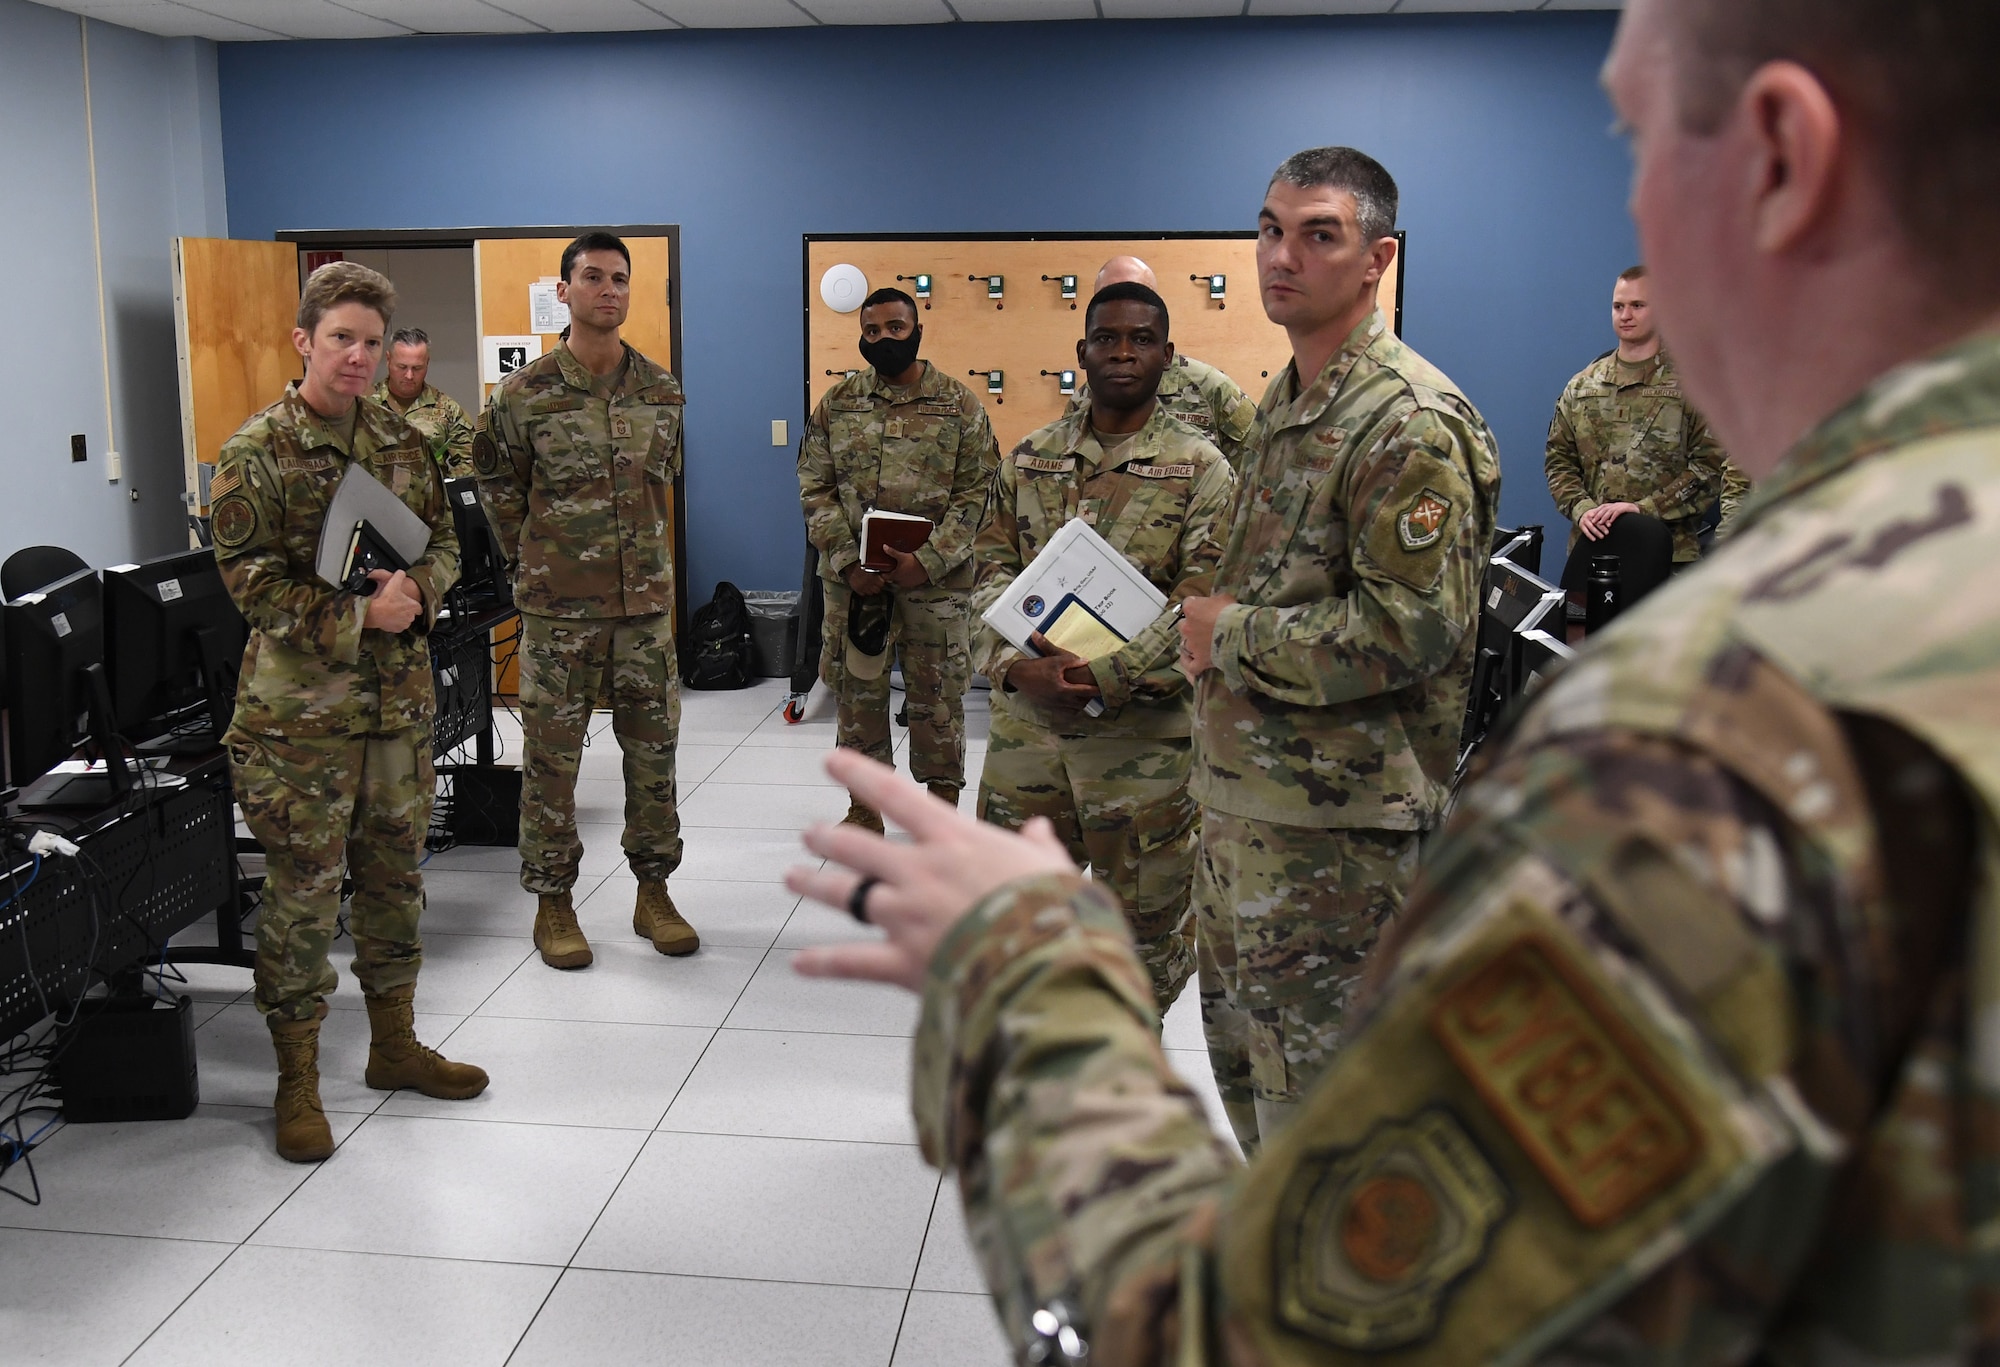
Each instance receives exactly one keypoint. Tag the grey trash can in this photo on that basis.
(774, 631)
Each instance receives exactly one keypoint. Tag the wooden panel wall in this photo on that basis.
(1034, 329)
(505, 267)
(235, 304)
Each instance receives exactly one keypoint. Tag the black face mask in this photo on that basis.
(892, 355)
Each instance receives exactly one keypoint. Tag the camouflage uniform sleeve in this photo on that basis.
(997, 553)
(1148, 663)
(248, 521)
(504, 464)
(1610, 916)
(1414, 597)
(1695, 489)
(1563, 464)
(1735, 488)
(819, 492)
(1235, 425)
(457, 440)
(438, 570)
(951, 542)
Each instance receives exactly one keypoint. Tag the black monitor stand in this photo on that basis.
(200, 735)
(92, 790)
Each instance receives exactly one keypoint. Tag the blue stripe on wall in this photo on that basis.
(1512, 189)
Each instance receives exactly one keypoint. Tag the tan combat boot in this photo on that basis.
(303, 1136)
(397, 1059)
(557, 934)
(865, 817)
(656, 919)
(944, 792)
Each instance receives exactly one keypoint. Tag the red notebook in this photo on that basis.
(905, 531)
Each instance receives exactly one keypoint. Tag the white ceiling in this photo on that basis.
(253, 20)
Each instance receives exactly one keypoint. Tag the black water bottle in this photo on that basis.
(1604, 596)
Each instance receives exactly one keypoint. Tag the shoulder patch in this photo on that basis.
(1422, 521)
(485, 456)
(1578, 1092)
(233, 521)
(1372, 1240)
(224, 481)
(1162, 471)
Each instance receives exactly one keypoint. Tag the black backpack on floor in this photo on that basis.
(718, 646)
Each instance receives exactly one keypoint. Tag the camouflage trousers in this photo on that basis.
(324, 806)
(1285, 917)
(1121, 805)
(567, 665)
(928, 629)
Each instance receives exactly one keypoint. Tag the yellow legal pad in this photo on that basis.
(1077, 629)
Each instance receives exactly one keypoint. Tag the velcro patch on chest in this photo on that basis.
(1422, 521)
(1579, 1092)
(938, 409)
(223, 482)
(1195, 418)
(1162, 471)
(1046, 465)
(1371, 1240)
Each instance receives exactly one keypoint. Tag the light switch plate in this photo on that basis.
(778, 437)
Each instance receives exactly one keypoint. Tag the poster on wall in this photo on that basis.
(501, 356)
(547, 314)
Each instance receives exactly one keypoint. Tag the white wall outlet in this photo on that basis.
(114, 466)
(778, 437)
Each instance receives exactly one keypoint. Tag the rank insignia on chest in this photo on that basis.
(892, 428)
(1422, 523)
(1371, 1240)
(621, 428)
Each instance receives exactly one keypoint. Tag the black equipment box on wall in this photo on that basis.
(130, 1059)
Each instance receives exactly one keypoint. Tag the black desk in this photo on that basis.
(167, 859)
(462, 672)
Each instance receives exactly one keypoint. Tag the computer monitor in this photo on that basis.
(55, 691)
(482, 565)
(173, 648)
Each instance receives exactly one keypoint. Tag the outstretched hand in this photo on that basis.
(923, 889)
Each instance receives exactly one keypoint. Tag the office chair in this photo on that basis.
(36, 567)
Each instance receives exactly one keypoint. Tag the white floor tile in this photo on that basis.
(483, 902)
(77, 1300)
(761, 806)
(357, 1308)
(815, 733)
(1182, 1028)
(630, 981)
(782, 1209)
(601, 801)
(801, 1087)
(603, 762)
(942, 1329)
(694, 764)
(457, 1189)
(612, 1319)
(756, 856)
(775, 764)
(815, 923)
(460, 972)
(779, 999)
(215, 983)
(1194, 1070)
(603, 851)
(238, 1067)
(566, 1072)
(725, 913)
(215, 1175)
(949, 1263)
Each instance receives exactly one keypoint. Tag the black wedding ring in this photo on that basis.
(857, 901)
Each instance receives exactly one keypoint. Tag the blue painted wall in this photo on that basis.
(1512, 189)
(158, 136)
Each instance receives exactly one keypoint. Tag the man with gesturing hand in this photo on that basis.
(1331, 665)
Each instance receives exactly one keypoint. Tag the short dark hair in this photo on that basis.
(410, 337)
(1915, 75)
(1132, 290)
(1633, 273)
(594, 242)
(1344, 168)
(889, 294)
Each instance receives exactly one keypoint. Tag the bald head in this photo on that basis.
(1121, 270)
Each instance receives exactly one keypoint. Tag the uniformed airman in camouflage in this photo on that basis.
(901, 436)
(330, 746)
(577, 455)
(406, 389)
(1195, 392)
(1333, 662)
(1623, 440)
(1114, 785)
(1685, 1053)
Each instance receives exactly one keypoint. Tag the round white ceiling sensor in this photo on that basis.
(843, 287)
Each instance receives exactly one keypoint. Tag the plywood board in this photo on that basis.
(1031, 328)
(235, 304)
(504, 267)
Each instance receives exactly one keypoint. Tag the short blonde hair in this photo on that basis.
(345, 282)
